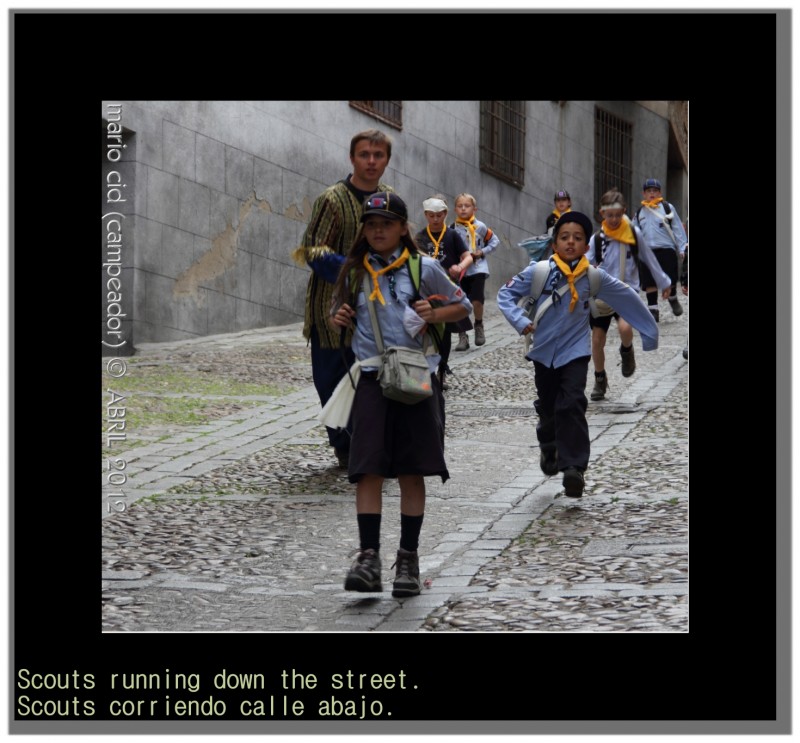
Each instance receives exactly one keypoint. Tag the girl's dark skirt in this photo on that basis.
(391, 438)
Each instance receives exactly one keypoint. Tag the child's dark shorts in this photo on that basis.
(602, 322)
(668, 260)
(391, 438)
(473, 286)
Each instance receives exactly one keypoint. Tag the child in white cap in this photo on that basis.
(445, 245)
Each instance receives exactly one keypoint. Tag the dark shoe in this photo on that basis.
(654, 313)
(548, 457)
(463, 342)
(686, 353)
(676, 306)
(480, 336)
(343, 457)
(628, 361)
(600, 387)
(406, 579)
(365, 573)
(573, 482)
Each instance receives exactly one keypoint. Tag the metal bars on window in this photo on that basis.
(503, 140)
(389, 112)
(613, 155)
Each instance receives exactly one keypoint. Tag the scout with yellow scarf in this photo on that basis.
(561, 347)
(618, 247)
(664, 233)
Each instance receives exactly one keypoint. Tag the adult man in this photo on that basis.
(663, 232)
(330, 232)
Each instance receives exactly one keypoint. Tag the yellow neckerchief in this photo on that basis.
(623, 233)
(470, 225)
(376, 292)
(654, 203)
(558, 213)
(572, 274)
(436, 242)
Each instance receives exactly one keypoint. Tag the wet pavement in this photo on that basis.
(244, 523)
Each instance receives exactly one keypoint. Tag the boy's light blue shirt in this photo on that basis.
(480, 265)
(433, 280)
(650, 222)
(611, 256)
(563, 336)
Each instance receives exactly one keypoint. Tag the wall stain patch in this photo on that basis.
(222, 255)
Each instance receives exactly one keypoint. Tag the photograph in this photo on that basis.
(394, 394)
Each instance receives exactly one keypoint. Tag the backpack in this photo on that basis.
(540, 274)
(667, 210)
(600, 241)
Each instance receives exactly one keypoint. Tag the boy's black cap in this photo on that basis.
(562, 195)
(651, 183)
(581, 219)
(385, 204)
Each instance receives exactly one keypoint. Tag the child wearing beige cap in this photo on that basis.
(444, 244)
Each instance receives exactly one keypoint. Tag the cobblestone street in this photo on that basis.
(244, 523)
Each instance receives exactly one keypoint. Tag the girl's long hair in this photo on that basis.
(345, 292)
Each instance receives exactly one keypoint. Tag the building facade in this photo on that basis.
(204, 201)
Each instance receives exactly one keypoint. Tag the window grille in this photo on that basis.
(503, 140)
(389, 112)
(613, 156)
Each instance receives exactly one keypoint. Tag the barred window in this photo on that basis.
(503, 140)
(613, 155)
(389, 112)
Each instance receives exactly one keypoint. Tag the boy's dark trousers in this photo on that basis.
(562, 411)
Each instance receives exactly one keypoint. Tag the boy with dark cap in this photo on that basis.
(562, 347)
(662, 229)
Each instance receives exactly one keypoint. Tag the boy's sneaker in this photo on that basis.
(480, 336)
(406, 579)
(600, 387)
(677, 309)
(573, 482)
(365, 573)
(628, 361)
(463, 342)
(654, 313)
(548, 457)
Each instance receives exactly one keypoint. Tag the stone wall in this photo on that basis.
(218, 193)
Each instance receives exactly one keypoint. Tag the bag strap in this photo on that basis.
(601, 236)
(376, 328)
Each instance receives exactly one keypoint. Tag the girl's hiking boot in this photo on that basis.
(573, 482)
(628, 361)
(480, 336)
(463, 342)
(547, 460)
(406, 579)
(365, 573)
(599, 390)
